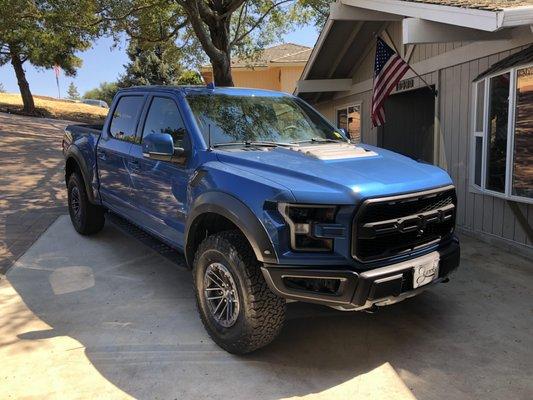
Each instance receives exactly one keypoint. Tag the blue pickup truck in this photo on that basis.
(267, 200)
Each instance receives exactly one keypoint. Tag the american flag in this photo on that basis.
(389, 68)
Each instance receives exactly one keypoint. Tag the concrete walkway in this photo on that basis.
(32, 188)
(106, 317)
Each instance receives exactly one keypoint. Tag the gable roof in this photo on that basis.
(281, 53)
(489, 5)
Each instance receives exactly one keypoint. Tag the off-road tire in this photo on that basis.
(261, 313)
(89, 218)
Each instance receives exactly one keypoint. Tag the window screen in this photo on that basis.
(497, 132)
(480, 101)
(523, 135)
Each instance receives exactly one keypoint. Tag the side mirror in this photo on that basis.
(158, 146)
(344, 132)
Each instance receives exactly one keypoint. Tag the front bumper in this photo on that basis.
(356, 291)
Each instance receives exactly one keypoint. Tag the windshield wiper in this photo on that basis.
(320, 140)
(257, 143)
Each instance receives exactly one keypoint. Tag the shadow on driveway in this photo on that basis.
(132, 313)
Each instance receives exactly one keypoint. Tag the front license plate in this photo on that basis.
(426, 271)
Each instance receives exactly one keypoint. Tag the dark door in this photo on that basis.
(409, 126)
(114, 163)
(160, 187)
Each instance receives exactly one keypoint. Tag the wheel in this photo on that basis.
(86, 217)
(237, 308)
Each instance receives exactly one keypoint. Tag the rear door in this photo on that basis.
(113, 153)
(160, 187)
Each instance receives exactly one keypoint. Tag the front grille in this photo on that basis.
(399, 225)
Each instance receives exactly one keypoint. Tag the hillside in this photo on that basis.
(53, 108)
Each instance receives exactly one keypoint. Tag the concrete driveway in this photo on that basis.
(107, 317)
(32, 186)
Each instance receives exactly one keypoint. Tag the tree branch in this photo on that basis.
(197, 23)
(238, 27)
(258, 22)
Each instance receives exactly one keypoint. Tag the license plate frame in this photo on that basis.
(426, 270)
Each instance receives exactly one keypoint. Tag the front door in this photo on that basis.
(160, 187)
(113, 154)
(409, 126)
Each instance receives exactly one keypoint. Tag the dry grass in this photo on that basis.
(53, 108)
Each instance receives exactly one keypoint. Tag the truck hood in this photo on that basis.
(344, 179)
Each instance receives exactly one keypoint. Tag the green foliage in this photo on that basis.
(46, 33)
(151, 65)
(190, 77)
(219, 28)
(72, 92)
(105, 91)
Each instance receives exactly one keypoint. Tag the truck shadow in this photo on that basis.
(135, 315)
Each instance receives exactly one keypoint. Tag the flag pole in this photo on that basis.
(435, 93)
(58, 90)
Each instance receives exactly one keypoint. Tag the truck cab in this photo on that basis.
(267, 200)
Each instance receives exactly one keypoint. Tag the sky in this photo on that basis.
(104, 62)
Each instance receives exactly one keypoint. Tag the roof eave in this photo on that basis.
(487, 20)
(316, 49)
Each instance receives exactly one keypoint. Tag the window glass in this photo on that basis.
(478, 160)
(164, 117)
(497, 132)
(235, 118)
(354, 123)
(522, 184)
(480, 102)
(342, 119)
(125, 117)
(349, 119)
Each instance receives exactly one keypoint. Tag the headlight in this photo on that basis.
(301, 219)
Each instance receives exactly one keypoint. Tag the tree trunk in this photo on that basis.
(222, 72)
(221, 64)
(27, 98)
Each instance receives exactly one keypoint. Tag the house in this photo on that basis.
(476, 117)
(276, 68)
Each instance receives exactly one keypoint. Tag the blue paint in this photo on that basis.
(160, 195)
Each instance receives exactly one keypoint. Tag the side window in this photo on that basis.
(124, 117)
(164, 117)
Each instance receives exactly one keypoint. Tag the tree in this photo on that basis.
(218, 27)
(189, 77)
(105, 91)
(72, 92)
(45, 33)
(151, 65)
(2, 90)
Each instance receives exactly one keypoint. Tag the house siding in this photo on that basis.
(476, 212)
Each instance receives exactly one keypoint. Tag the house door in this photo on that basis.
(409, 126)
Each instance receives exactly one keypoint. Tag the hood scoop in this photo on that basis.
(334, 151)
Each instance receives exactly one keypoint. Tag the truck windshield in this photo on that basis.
(255, 119)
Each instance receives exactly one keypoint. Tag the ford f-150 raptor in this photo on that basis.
(268, 202)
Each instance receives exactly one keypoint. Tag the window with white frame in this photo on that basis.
(349, 119)
(502, 145)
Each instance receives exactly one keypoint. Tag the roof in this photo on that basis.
(489, 5)
(285, 53)
(198, 89)
(522, 57)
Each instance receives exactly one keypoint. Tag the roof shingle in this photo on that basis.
(488, 5)
(282, 53)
